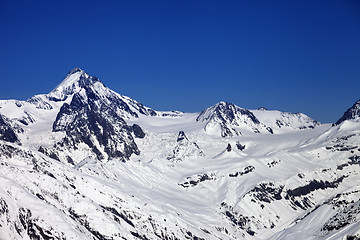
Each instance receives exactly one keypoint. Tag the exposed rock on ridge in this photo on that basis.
(185, 149)
(93, 117)
(227, 119)
(7, 132)
(351, 113)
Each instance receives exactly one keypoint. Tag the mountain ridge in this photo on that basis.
(352, 113)
(89, 163)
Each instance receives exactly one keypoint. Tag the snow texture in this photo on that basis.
(84, 162)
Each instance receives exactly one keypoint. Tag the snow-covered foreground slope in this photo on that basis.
(62, 177)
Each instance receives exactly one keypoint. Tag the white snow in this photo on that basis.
(147, 195)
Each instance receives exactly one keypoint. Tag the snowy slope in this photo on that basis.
(284, 121)
(136, 173)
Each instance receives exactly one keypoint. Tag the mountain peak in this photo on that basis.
(75, 70)
(74, 81)
(351, 113)
(227, 117)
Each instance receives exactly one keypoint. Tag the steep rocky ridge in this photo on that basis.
(352, 113)
(229, 119)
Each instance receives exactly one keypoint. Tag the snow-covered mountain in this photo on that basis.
(84, 162)
(79, 82)
(79, 111)
(284, 121)
(227, 119)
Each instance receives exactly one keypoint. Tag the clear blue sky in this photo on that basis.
(297, 56)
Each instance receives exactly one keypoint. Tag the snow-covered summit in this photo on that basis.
(78, 82)
(74, 81)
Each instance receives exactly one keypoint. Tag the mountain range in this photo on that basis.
(84, 162)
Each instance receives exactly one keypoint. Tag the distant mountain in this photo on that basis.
(284, 121)
(228, 119)
(84, 162)
(351, 113)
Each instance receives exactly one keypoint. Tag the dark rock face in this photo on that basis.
(228, 148)
(237, 219)
(30, 227)
(92, 120)
(7, 133)
(351, 113)
(195, 180)
(267, 192)
(312, 186)
(9, 151)
(240, 146)
(138, 132)
(247, 169)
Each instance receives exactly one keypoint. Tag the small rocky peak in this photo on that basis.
(351, 113)
(230, 112)
(181, 136)
(262, 109)
(228, 148)
(220, 110)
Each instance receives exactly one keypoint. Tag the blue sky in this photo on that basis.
(296, 56)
